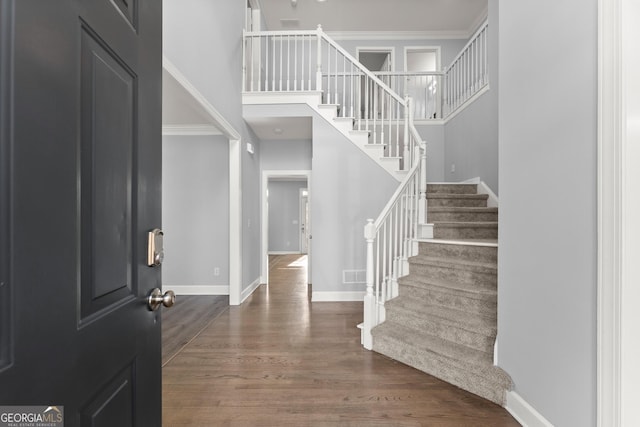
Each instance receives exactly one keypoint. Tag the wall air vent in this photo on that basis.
(290, 23)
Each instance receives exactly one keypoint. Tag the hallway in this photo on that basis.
(280, 360)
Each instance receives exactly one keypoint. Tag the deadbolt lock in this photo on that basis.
(155, 252)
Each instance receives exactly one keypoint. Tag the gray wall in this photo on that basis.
(203, 39)
(472, 136)
(547, 245)
(284, 215)
(434, 136)
(286, 155)
(195, 210)
(347, 187)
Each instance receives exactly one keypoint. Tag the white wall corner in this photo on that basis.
(492, 201)
(523, 412)
(337, 296)
(246, 292)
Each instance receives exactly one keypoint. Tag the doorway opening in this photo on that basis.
(286, 219)
(423, 88)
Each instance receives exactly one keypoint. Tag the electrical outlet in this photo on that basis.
(216, 271)
(453, 168)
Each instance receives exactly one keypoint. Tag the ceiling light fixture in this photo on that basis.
(294, 3)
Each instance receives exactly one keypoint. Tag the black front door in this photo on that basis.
(80, 187)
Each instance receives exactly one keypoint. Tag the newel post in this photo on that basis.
(422, 203)
(407, 149)
(369, 298)
(319, 60)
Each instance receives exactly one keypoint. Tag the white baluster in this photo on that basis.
(422, 206)
(407, 153)
(288, 61)
(319, 60)
(273, 53)
(244, 61)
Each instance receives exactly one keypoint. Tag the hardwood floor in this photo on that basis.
(190, 315)
(280, 360)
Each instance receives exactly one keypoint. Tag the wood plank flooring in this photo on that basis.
(280, 360)
(190, 315)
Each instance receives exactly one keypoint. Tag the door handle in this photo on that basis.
(156, 299)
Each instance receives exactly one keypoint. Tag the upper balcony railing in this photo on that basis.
(298, 61)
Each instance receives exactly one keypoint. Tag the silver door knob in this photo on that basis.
(156, 299)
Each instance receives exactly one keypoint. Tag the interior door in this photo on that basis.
(80, 189)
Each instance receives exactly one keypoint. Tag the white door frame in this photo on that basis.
(304, 239)
(435, 49)
(618, 315)
(264, 214)
(378, 49)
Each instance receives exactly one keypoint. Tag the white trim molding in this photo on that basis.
(189, 130)
(246, 292)
(398, 35)
(618, 318)
(264, 214)
(199, 289)
(523, 412)
(219, 121)
(337, 296)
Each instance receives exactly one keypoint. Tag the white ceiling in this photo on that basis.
(449, 17)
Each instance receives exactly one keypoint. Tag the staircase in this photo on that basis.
(431, 270)
(443, 321)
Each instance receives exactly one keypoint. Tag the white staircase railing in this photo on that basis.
(298, 61)
(468, 72)
(423, 87)
(392, 239)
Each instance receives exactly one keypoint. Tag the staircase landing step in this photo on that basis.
(462, 366)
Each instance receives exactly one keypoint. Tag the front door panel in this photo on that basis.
(80, 190)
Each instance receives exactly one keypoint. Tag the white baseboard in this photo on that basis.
(246, 292)
(524, 413)
(337, 296)
(199, 289)
(285, 253)
(483, 188)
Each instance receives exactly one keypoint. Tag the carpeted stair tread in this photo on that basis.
(478, 377)
(461, 213)
(452, 188)
(471, 209)
(433, 344)
(460, 250)
(457, 196)
(467, 224)
(448, 324)
(446, 315)
(467, 290)
(475, 266)
(456, 200)
(483, 304)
